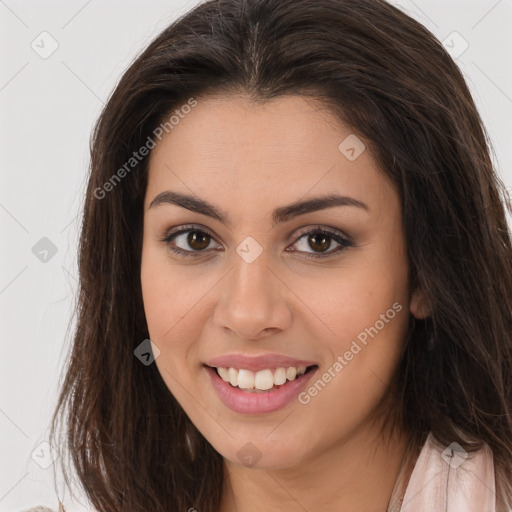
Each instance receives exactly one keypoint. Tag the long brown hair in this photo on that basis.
(391, 80)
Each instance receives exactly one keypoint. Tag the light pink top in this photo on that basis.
(444, 479)
(447, 479)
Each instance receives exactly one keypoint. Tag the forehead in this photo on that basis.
(287, 147)
(293, 127)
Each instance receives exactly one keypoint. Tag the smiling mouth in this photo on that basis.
(263, 381)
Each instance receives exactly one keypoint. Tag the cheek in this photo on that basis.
(164, 292)
(349, 302)
(364, 359)
(164, 306)
(367, 316)
(175, 309)
(155, 294)
(368, 329)
(169, 326)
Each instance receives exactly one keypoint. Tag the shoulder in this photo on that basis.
(39, 509)
(449, 478)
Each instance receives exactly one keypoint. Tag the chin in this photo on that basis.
(262, 454)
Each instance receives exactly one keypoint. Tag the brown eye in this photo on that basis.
(320, 240)
(188, 241)
(192, 241)
(198, 240)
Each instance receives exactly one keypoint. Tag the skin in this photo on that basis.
(248, 159)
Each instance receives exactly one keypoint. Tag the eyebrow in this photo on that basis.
(281, 214)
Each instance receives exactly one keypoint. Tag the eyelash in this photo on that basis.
(171, 234)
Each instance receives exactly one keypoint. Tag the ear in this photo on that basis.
(419, 307)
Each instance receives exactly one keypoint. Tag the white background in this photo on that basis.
(48, 107)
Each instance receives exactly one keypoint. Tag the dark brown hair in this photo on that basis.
(391, 80)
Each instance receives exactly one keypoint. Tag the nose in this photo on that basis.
(254, 301)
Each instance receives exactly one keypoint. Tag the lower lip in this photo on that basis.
(258, 403)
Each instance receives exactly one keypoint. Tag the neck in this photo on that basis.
(358, 473)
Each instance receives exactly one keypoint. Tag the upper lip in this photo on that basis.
(257, 362)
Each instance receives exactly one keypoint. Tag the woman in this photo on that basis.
(295, 273)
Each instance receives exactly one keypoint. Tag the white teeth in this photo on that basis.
(280, 376)
(262, 380)
(245, 379)
(291, 373)
(233, 377)
(224, 374)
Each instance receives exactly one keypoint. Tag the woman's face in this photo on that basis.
(248, 283)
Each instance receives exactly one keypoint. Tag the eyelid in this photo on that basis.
(185, 227)
(302, 231)
(182, 229)
(339, 236)
(324, 229)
